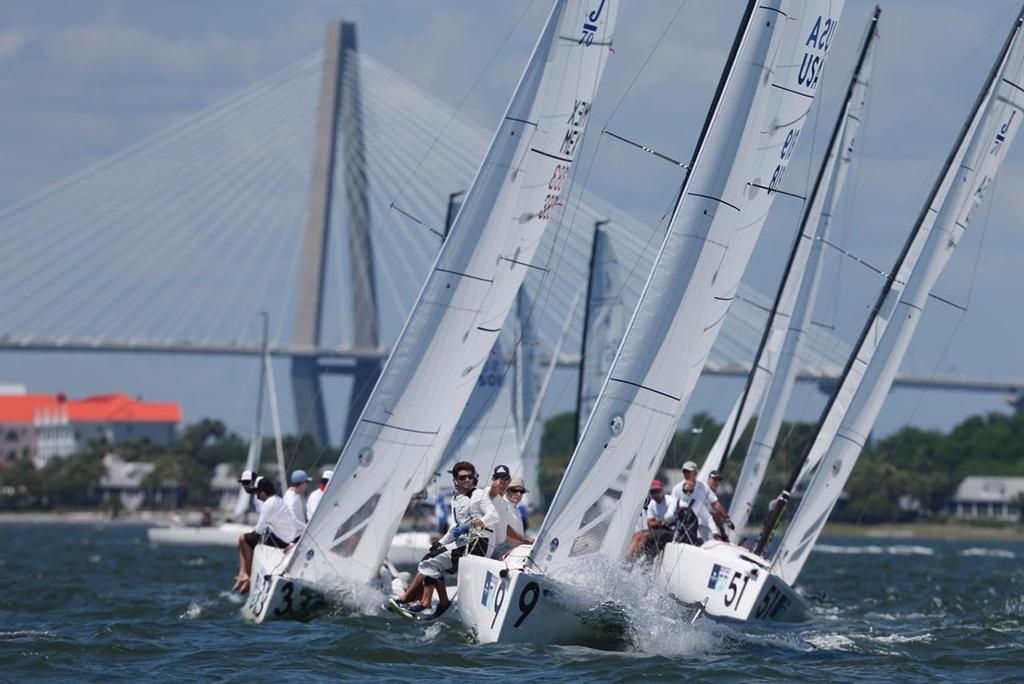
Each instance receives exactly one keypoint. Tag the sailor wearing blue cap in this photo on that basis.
(294, 498)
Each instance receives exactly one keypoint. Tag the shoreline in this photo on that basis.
(923, 531)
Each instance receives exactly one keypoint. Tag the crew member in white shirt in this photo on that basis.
(294, 496)
(314, 499)
(509, 532)
(275, 527)
(473, 519)
(659, 519)
(705, 504)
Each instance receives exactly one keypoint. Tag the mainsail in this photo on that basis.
(401, 435)
(789, 324)
(603, 325)
(965, 181)
(740, 159)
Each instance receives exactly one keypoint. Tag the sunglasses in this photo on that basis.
(466, 477)
(656, 491)
(516, 491)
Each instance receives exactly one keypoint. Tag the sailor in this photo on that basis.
(294, 496)
(472, 514)
(686, 519)
(659, 517)
(246, 480)
(275, 527)
(721, 517)
(509, 532)
(711, 515)
(314, 499)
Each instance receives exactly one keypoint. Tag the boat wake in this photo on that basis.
(991, 553)
(876, 550)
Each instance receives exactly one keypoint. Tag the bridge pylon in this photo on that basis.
(339, 111)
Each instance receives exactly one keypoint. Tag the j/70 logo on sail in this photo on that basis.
(590, 26)
(818, 40)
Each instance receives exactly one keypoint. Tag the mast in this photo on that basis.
(252, 459)
(799, 237)
(874, 334)
(773, 370)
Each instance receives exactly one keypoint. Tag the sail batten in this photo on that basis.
(451, 330)
(716, 221)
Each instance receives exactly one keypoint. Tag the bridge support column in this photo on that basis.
(339, 105)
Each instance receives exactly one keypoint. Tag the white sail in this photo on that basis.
(741, 157)
(603, 325)
(528, 390)
(965, 181)
(791, 323)
(402, 433)
(486, 433)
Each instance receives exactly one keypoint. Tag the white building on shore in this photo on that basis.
(982, 497)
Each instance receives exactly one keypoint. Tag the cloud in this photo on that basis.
(115, 49)
(11, 43)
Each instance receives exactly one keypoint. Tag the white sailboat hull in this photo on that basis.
(276, 595)
(502, 601)
(225, 534)
(736, 584)
(273, 596)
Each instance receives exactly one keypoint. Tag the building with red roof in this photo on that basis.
(45, 426)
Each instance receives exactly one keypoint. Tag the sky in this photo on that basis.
(83, 79)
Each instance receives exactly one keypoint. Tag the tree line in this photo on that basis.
(910, 474)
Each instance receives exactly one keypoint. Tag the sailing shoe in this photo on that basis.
(415, 608)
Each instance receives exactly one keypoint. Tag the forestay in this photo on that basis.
(963, 185)
(790, 324)
(401, 435)
(603, 325)
(741, 157)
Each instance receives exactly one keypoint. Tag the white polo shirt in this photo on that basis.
(293, 500)
(701, 503)
(313, 502)
(276, 517)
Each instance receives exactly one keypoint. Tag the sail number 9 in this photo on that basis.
(528, 598)
(788, 145)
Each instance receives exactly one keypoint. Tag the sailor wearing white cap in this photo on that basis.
(314, 499)
(248, 482)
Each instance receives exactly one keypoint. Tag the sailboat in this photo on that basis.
(402, 434)
(727, 580)
(744, 149)
(227, 532)
(964, 183)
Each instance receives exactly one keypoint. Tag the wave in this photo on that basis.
(991, 553)
(876, 550)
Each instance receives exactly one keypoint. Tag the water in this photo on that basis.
(83, 602)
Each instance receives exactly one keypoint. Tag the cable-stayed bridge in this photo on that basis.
(318, 194)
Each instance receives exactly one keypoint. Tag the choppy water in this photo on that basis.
(83, 603)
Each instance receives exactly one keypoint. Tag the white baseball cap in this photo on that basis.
(327, 475)
(689, 465)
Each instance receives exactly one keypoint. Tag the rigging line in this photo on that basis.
(229, 225)
(645, 148)
(107, 214)
(643, 64)
(163, 137)
(422, 223)
(465, 97)
(211, 258)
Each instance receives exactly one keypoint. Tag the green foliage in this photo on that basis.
(922, 467)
